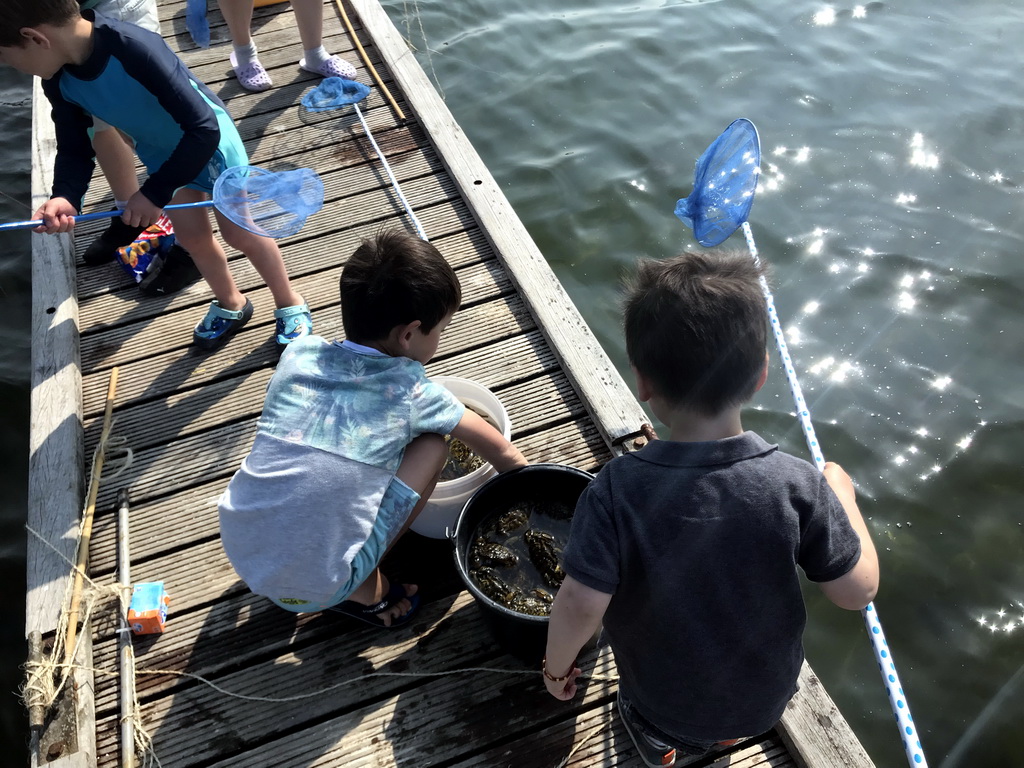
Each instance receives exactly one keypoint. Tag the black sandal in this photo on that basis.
(368, 613)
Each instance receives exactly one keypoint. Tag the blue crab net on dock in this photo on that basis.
(337, 93)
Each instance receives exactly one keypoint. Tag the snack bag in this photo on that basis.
(139, 257)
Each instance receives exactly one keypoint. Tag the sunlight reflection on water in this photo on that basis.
(886, 212)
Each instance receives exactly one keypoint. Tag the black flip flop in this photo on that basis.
(368, 613)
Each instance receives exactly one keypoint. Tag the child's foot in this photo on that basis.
(653, 752)
(393, 609)
(220, 324)
(292, 323)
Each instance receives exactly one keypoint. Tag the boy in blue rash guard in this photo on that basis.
(129, 78)
(688, 551)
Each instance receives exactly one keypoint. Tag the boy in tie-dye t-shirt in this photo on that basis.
(351, 442)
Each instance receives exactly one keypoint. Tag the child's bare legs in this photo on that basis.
(419, 469)
(265, 257)
(117, 161)
(309, 18)
(192, 229)
(293, 320)
(238, 15)
(231, 310)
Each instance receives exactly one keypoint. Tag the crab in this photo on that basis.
(530, 605)
(514, 519)
(485, 552)
(495, 587)
(544, 554)
(554, 509)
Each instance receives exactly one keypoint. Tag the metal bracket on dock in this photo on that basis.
(634, 441)
(62, 735)
(54, 732)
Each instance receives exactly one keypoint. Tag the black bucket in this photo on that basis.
(519, 635)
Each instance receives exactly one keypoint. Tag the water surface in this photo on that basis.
(891, 212)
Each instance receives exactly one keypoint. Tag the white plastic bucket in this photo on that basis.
(442, 509)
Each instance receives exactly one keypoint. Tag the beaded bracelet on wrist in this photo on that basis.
(552, 678)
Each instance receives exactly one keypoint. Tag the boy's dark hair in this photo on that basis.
(15, 15)
(696, 328)
(393, 279)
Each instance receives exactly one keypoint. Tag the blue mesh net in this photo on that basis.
(334, 93)
(723, 184)
(268, 204)
(196, 22)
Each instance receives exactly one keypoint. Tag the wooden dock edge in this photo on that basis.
(56, 480)
(606, 395)
(816, 732)
(812, 725)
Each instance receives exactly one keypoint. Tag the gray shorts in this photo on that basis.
(142, 13)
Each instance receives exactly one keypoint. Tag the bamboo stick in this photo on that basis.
(369, 65)
(87, 517)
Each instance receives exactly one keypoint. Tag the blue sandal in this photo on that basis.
(220, 324)
(292, 323)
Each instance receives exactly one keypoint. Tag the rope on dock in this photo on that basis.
(41, 674)
(46, 678)
(580, 744)
(423, 36)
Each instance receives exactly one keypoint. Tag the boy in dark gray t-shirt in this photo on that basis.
(688, 550)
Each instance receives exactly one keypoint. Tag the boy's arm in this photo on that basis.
(575, 616)
(161, 73)
(73, 164)
(858, 586)
(487, 442)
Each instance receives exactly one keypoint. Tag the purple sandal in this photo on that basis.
(252, 77)
(335, 66)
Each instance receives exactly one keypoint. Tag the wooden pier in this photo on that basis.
(234, 680)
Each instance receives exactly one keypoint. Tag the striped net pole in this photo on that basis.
(886, 665)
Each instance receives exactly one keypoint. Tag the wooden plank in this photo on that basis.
(56, 459)
(446, 637)
(109, 347)
(329, 253)
(187, 462)
(181, 367)
(243, 628)
(602, 388)
(537, 404)
(596, 736)
(449, 719)
(816, 731)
